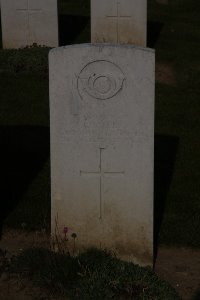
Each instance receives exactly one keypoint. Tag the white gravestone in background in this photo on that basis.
(102, 128)
(25, 22)
(119, 21)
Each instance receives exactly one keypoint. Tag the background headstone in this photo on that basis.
(102, 129)
(25, 22)
(119, 21)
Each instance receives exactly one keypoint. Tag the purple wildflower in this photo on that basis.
(65, 230)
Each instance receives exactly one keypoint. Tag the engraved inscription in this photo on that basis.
(102, 84)
(100, 79)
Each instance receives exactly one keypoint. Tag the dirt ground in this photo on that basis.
(13, 288)
(179, 266)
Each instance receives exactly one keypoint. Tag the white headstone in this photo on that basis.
(102, 129)
(119, 21)
(25, 22)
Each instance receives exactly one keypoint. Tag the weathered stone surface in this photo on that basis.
(102, 128)
(119, 21)
(25, 22)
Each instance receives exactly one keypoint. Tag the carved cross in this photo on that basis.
(118, 16)
(101, 174)
(27, 10)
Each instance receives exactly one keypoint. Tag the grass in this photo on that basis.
(177, 115)
(24, 124)
(70, 7)
(24, 130)
(94, 274)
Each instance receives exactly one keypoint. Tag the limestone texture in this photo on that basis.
(28, 22)
(119, 21)
(102, 140)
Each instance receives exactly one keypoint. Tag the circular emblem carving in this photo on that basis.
(100, 79)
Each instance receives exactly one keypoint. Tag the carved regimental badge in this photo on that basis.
(100, 79)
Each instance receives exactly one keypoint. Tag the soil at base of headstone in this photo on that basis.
(179, 266)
